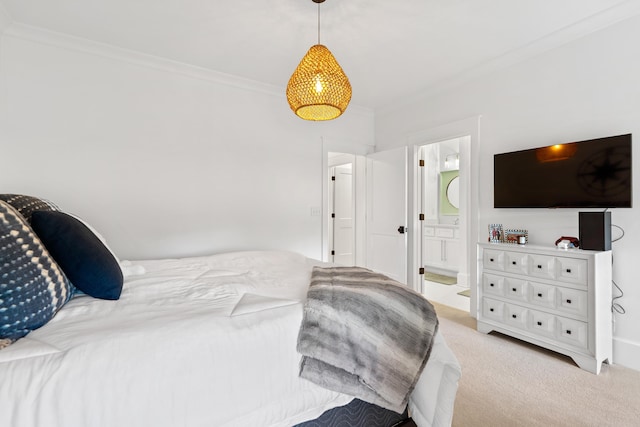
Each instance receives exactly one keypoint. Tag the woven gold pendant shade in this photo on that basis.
(318, 88)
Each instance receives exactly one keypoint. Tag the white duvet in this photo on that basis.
(207, 341)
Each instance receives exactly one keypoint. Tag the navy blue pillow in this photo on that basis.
(87, 262)
(32, 286)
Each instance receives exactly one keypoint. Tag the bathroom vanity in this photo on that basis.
(442, 246)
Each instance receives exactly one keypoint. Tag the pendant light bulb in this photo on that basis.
(319, 86)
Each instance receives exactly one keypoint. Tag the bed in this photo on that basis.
(199, 341)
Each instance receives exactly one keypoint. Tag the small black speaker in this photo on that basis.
(595, 230)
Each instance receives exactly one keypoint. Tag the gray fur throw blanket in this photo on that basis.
(365, 335)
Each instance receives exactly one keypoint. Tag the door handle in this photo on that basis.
(402, 229)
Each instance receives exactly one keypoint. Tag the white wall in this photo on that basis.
(162, 159)
(585, 89)
(5, 19)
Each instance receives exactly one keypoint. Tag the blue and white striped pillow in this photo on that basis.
(32, 286)
(26, 205)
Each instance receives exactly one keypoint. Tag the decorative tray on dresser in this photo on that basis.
(554, 298)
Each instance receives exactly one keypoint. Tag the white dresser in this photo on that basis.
(554, 298)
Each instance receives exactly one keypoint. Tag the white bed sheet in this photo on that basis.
(192, 342)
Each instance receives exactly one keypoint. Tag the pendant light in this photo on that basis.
(318, 89)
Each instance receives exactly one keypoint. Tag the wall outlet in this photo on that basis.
(316, 211)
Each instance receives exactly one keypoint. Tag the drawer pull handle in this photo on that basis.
(539, 323)
(491, 259)
(513, 262)
(568, 301)
(568, 270)
(539, 266)
(491, 284)
(568, 331)
(514, 289)
(514, 316)
(491, 309)
(539, 295)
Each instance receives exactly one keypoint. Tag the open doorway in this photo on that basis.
(442, 223)
(345, 204)
(378, 207)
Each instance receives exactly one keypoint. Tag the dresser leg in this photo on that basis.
(588, 364)
(484, 328)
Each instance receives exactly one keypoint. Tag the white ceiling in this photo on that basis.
(389, 49)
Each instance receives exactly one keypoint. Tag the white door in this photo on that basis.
(387, 213)
(342, 215)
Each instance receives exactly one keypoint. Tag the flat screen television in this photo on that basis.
(587, 174)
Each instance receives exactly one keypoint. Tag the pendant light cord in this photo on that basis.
(318, 23)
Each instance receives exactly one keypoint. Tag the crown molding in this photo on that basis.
(561, 37)
(79, 44)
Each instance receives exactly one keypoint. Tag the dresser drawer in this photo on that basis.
(572, 332)
(444, 232)
(543, 324)
(493, 260)
(492, 309)
(515, 289)
(572, 270)
(515, 315)
(516, 262)
(572, 301)
(542, 295)
(492, 284)
(543, 266)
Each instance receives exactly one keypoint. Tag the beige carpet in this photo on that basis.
(507, 382)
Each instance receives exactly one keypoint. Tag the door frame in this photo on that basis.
(335, 164)
(360, 150)
(462, 273)
(469, 163)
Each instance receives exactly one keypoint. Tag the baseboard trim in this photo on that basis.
(626, 353)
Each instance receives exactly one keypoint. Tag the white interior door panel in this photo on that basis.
(387, 213)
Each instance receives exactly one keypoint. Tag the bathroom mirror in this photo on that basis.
(449, 192)
(453, 192)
